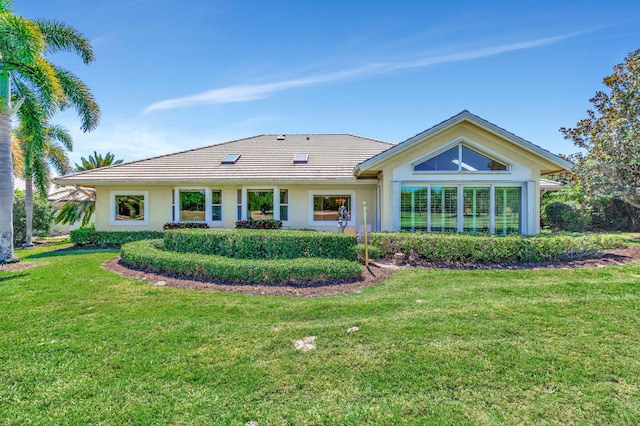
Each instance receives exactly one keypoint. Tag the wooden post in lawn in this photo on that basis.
(366, 248)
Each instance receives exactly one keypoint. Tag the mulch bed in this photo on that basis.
(374, 274)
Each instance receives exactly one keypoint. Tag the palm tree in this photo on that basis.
(82, 202)
(41, 89)
(37, 166)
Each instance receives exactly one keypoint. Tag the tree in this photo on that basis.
(42, 216)
(611, 136)
(40, 88)
(37, 167)
(82, 202)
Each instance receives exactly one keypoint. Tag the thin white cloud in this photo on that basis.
(250, 92)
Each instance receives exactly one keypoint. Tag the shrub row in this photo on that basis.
(259, 224)
(490, 248)
(374, 252)
(255, 244)
(185, 225)
(149, 255)
(91, 237)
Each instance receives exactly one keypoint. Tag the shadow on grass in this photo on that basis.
(66, 251)
(12, 277)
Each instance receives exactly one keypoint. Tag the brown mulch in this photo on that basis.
(374, 274)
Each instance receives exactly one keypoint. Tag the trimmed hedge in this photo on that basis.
(149, 255)
(490, 248)
(91, 237)
(374, 252)
(257, 244)
(259, 224)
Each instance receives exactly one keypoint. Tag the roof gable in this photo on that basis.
(376, 161)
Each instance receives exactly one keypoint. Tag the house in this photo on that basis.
(464, 174)
(57, 197)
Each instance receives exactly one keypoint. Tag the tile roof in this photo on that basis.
(264, 157)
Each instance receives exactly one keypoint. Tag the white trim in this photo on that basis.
(474, 119)
(354, 207)
(112, 208)
(459, 142)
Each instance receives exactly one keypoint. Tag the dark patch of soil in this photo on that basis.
(17, 266)
(374, 274)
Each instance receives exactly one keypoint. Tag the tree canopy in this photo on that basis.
(610, 136)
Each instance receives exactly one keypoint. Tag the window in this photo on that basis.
(326, 207)
(414, 208)
(453, 208)
(507, 210)
(129, 207)
(443, 215)
(192, 205)
(230, 159)
(259, 204)
(216, 205)
(300, 158)
(460, 158)
(476, 209)
(284, 204)
(239, 205)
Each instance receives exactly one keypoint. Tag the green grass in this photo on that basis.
(80, 345)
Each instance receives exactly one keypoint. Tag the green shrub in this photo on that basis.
(42, 217)
(490, 248)
(566, 216)
(91, 237)
(150, 255)
(261, 244)
(184, 225)
(259, 224)
(374, 252)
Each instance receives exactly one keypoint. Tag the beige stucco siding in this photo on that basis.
(524, 170)
(159, 200)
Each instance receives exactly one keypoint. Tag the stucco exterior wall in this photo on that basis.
(159, 203)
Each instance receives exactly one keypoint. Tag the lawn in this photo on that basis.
(80, 345)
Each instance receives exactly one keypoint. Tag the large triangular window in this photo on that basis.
(460, 158)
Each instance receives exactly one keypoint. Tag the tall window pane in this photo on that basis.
(192, 205)
(444, 209)
(216, 204)
(284, 204)
(413, 208)
(507, 210)
(326, 207)
(259, 204)
(476, 209)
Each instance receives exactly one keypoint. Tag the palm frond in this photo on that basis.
(56, 155)
(61, 37)
(6, 6)
(21, 41)
(73, 211)
(41, 77)
(59, 133)
(81, 98)
(96, 161)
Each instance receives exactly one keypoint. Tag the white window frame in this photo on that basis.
(211, 190)
(460, 200)
(276, 201)
(354, 207)
(458, 143)
(207, 203)
(112, 208)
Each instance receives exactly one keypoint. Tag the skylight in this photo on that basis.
(300, 157)
(230, 158)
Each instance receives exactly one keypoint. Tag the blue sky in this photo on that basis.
(171, 76)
